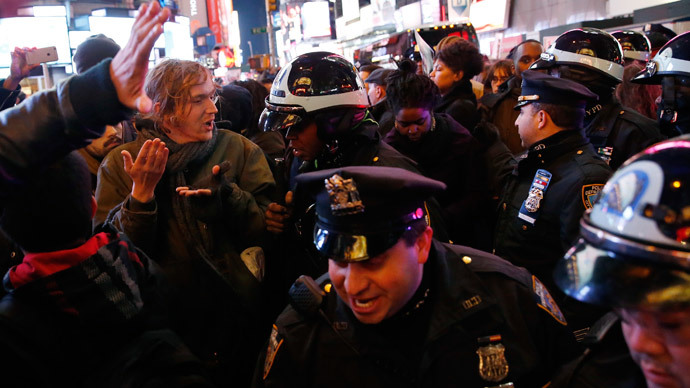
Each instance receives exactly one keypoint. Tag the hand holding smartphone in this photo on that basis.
(42, 55)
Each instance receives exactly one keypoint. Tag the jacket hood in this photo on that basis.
(99, 282)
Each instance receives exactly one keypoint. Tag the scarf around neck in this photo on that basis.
(181, 156)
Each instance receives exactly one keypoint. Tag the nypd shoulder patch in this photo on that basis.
(590, 193)
(546, 302)
(274, 342)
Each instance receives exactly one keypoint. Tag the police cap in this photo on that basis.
(378, 77)
(364, 210)
(543, 88)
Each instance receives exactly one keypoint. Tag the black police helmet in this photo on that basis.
(587, 48)
(319, 85)
(672, 60)
(635, 44)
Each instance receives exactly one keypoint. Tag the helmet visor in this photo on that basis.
(275, 118)
(597, 276)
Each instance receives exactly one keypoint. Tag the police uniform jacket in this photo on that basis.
(622, 129)
(578, 174)
(466, 295)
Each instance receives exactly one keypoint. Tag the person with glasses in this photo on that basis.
(192, 197)
(497, 108)
(500, 72)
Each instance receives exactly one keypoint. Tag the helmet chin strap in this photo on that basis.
(669, 112)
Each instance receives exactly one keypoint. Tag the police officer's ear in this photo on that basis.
(423, 244)
(543, 119)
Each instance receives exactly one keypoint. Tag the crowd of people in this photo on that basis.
(335, 226)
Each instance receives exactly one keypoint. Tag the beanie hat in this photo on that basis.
(93, 50)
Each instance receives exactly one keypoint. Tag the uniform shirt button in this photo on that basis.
(504, 206)
(13, 254)
(524, 227)
(579, 152)
(376, 158)
(466, 259)
(621, 112)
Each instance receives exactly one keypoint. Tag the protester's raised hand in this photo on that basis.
(129, 67)
(19, 68)
(147, 170)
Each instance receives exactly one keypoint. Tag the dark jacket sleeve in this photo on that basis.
(8, 97)
(53, 123)
(115, 204)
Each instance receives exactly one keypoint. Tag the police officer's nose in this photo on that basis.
(356, 280)
(641, 340)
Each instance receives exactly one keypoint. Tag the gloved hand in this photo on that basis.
(209, 195)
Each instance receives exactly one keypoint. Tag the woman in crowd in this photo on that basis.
(455, 64)
(443, 149)
(499, 73)
(639, 97)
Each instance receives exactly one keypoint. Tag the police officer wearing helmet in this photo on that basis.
(633, 256)
(548, 187)
(594, 59)
(318, 101)
(670, 68)
(397, 308)
(635, 45)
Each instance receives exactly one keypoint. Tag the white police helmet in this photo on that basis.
(634, 247)
(311, 84)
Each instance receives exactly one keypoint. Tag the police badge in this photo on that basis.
(343, 195)
(533, 199)
(493, 365)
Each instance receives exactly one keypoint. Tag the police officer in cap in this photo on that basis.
(594, 58)
(398, 308)
(670, 68)
(546, 190)
(633, 256)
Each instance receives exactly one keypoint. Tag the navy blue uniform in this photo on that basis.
(466, 296)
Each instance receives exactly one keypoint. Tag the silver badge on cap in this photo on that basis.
(344, 196)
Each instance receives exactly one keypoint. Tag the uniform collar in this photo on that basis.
(603, 121)
(552, 147)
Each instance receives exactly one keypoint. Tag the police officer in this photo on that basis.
(594, 59)
(377, 83)
(635, 45)
(633, 256)
(670, 68)
(319, 103)
(553, 182)
(397, 308)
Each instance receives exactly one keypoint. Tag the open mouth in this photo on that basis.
(363, 305)
(208, 124)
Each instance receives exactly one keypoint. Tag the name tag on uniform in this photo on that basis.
(530, 207)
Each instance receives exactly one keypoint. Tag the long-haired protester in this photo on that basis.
(443, 149)
(192, 197)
